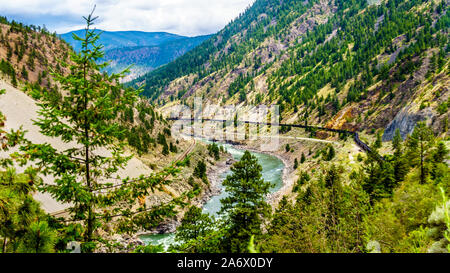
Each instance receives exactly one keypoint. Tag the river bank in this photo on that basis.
(277, 169)
(213, 174)
(289, 174)
(216, 174)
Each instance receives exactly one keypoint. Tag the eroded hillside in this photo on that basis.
(341, 64)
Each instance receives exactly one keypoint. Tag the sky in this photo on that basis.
(183, 17)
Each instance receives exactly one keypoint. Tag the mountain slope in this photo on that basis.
(343, 64)
(263, 21)
(28, 52)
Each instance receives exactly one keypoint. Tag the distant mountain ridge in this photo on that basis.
(122, 39)
(146, 51)
(147, 58)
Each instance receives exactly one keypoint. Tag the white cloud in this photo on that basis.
(185, 17)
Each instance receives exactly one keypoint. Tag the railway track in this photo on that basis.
(355, 134)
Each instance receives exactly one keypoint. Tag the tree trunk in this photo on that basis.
(4, 245)
(422, 174)
(90, 221)
(88, 181)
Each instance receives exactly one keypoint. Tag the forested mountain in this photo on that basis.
(147, 58)
(121, 39)
(346, 64)
(145, 51)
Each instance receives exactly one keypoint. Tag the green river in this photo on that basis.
(272, 172)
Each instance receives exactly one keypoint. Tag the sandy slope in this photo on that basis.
(20, 109)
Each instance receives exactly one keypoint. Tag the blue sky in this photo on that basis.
(184, 17)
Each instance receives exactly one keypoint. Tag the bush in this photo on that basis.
(200, 169)
(214, 151)
(442, 108)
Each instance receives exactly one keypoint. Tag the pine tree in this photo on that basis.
(38, 239)
(419, 144)
(173, 148)
(303, 158)
(194, 225)
(24, 73)
(441, 152)
(165, 150)
(30, 62)
(9, 52)
(379, 178)
(214, 151)
(200, 169)
(331, 153)
(397, 142)
(332, 182)
(401, 168)
(242, 95)
(14, 80)
(288, 148)
(378, 142)
(245, 206)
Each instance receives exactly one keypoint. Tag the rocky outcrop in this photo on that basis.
(405, 122)
(121, 244)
